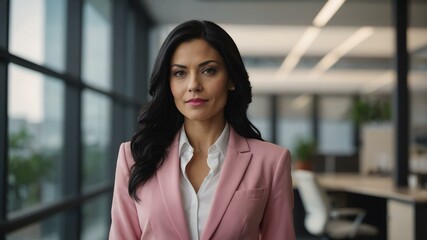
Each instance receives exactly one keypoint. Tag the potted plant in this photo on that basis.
(373, 117)
(371, 111)
(304, 152)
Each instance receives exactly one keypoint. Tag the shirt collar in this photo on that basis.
(221, 144)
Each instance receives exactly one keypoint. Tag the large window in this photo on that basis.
(95, 219)
(68, 84)
(259, 114)
(37, 31)
(36, 123)
(97, 32)
(48, 228)
(294, 119)
(336, 128)
(417, 77)
(96, 138)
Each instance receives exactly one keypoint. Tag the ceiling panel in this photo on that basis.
(266, 31)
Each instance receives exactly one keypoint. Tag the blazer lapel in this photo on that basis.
(169, 178)
(235, 164)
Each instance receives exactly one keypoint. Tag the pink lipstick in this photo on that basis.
(196, 101)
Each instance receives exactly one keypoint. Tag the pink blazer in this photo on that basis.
(253, 200)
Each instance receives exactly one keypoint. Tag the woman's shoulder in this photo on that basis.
(268, 154)
(265, 146)
(125, 153)
(268, 146)
(125, 146)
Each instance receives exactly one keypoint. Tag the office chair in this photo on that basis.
(321, 220)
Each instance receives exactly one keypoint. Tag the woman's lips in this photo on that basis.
(196, 101)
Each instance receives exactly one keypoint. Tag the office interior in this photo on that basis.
(74, 74)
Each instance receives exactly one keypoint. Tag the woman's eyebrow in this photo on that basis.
(178, 65)
(207, 62)
(200, 65)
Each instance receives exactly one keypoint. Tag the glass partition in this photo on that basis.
(294, 120)
(336, 129)
(96, 124)
(36, 120)
(37, 31)
(259, 113)
(97, 43)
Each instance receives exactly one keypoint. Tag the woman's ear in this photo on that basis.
(231, 86)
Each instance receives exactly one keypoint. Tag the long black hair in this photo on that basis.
(160, 120)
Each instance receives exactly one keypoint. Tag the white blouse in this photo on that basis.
(197, 205)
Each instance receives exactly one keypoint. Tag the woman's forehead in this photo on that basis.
(193, 51)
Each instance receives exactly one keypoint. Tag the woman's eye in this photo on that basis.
(209, 71)
(179, 73)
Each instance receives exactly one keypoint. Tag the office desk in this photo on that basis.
(373, 186)
(405, 210)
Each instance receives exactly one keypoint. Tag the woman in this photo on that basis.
(197, 168)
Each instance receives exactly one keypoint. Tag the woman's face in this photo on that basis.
(199, 81)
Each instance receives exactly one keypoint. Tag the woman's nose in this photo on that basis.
(194, 84)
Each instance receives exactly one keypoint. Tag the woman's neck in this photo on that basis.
(202, 134)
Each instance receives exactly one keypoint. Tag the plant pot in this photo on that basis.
(303, 165)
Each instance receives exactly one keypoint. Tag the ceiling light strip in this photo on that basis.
(326, 13)
(382, 81)
(332, 57)
(301, 101)
(299, 49)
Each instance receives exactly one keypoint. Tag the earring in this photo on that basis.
(231, 88)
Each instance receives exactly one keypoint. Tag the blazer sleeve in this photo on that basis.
(125, 223)
(277, 222)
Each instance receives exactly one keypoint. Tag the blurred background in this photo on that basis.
(74, 73)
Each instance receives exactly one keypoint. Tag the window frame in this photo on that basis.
(75, 198)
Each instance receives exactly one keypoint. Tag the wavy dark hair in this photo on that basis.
(159, 120)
